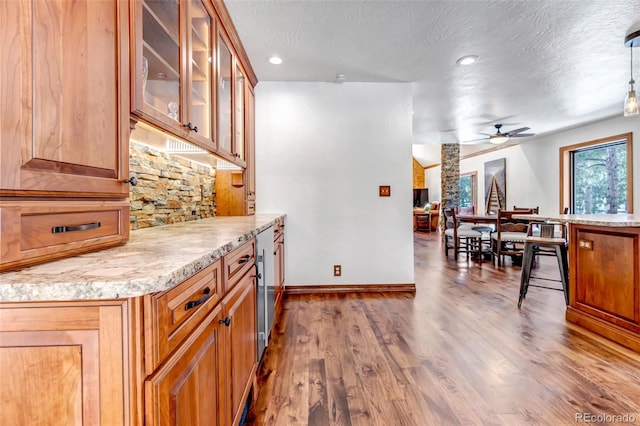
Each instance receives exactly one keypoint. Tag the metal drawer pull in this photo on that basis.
(244, 259)
(59, 229)
(192, 304)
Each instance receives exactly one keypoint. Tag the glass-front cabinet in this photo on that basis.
(224, 102)
(172, 88)
(187, 79)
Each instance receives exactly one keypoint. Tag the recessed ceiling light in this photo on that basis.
(467, 60)
(275, 60)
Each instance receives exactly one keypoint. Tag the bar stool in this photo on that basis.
(551, 240)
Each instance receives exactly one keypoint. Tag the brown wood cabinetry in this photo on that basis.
(241, 343)
(40, 231)
(250, 135)
(64, 129)
(64, 363)
(173, 68)
(189, 388)
(604, 281)
(201, 351)
(65, 121)
(278, 251)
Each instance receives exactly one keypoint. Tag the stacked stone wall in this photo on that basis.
(170, 188)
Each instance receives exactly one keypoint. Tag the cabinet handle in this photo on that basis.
(225, 321)
(132, 180)
(244, 259)
(192, 304)
(60, 229)
(191, 127)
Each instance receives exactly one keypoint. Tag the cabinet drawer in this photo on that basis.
(39, 231)
(278, 229)
(238, 262)
(173, 314)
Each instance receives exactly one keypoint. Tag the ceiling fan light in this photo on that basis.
(498, 139)
(631, 103)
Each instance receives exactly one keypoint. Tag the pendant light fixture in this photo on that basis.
(631, 101)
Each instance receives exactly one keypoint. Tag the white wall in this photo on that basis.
(533, 168)
(432, 181)
(322, 150)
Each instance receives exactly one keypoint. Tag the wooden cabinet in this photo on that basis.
(65, 89)
(201, 351)
(241, 343)
(40, 231)
(189, 388)
(174, 67)
(278, 251)
(64, 363)
(64, 130)
(250, 136)
(604, 281)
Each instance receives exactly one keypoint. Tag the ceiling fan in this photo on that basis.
(499, 137)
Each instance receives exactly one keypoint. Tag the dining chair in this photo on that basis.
(545, 239)
(459, 238)
(510, 235)
(534, 210)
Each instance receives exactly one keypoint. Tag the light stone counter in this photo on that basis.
(154, 259)
(608, 220)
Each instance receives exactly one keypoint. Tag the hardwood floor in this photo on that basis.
(458, 353)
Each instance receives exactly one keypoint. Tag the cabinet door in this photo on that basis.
(158, 69)
(187, 389)
(224, 96)
(239, 116)
(63, 365)
(279, 268)
(65, 90)
(250, 132)
(199, 74)
(242, 349)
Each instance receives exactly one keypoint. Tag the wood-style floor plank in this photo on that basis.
(459, 352)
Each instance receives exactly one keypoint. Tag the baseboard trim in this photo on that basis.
(350, 288)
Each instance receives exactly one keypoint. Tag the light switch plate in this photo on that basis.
(385, 191)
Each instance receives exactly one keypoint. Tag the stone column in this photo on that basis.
(449, 178)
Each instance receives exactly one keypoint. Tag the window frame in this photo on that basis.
(474, 187)
(566, 174)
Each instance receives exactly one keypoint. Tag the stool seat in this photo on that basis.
(547, 245)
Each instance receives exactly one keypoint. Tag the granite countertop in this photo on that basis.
(609, 220)
(154, 259)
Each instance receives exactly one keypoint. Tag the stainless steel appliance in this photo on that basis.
(266, 287)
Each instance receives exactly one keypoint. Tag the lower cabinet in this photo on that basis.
(278, 267)
(64, 363)
(188, 389)
(241, 342)
(202, 351)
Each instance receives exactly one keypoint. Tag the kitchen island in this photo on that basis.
(162, 330)
(604, 274)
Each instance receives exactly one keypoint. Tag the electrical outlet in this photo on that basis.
(337, 270)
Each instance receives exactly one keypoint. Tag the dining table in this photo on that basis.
(491, 219)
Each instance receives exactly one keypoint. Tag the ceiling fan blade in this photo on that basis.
(486, 134)
(522, 135)
(516, 131)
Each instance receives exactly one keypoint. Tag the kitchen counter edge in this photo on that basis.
(607, 220)
(155, 259)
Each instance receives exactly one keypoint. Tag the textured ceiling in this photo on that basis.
(547, 65)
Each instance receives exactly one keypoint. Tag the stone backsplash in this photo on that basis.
(170, 188)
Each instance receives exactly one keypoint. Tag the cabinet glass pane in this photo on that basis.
(239, 113)
(161, 56)
(224, 96)
(200, 68)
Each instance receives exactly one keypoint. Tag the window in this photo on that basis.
(468, 189)
(597, 176)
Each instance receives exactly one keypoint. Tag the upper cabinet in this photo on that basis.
(189, 74)
(188, 77)
(173, 68)
(64, 125)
